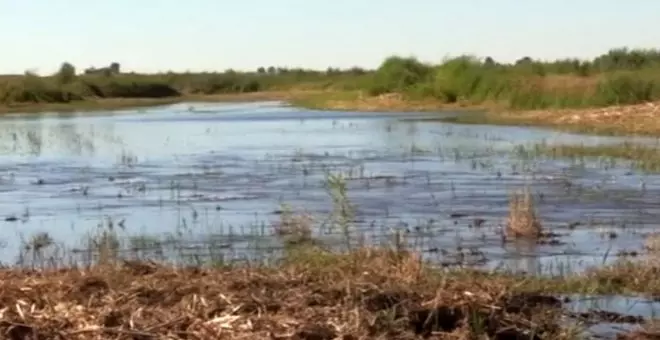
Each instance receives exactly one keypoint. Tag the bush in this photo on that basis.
(620, 76)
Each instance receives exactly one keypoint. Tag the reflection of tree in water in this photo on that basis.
(74, 142)
(68, 136)
(21, 137)
(34, 140)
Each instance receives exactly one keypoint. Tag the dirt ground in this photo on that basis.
(641, 119)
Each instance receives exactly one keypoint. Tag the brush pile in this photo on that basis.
(371, 294)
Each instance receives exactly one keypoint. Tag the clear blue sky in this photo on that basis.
(160, 35)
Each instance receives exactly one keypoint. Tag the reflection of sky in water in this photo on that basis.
(249, 158)
(627, 305)
(623, 305)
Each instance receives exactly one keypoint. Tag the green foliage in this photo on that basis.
(627, 88)
(398, 74)
(66, 74)
(620, 76)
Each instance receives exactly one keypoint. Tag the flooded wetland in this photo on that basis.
(242, 183)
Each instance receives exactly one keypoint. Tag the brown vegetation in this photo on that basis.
(369, 294)
(642, 119)
(523, 221)
(652, 243)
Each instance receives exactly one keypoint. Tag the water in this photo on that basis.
(629, 307)
(199, 174)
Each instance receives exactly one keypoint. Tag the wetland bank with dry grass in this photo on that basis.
(259, 220)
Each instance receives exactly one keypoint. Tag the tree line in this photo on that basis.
(619, 76)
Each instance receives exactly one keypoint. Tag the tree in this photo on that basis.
(66, 74)
(115, 68)
(397, 74)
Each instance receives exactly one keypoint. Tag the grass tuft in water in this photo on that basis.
(643, 157)
(652, 243)
(523, 221)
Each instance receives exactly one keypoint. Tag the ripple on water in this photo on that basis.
(613, 314)
(200, 167)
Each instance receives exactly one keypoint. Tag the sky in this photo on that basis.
(215, 35)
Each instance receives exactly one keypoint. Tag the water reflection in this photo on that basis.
(221, 171)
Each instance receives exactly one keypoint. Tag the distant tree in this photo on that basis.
(66, 74)
(357, 70)
(31, 73)
(489, 61)
(398, 74)
(115, 68)
(261, 70)
(524, 61)
(271, 69)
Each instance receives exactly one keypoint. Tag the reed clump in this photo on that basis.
(652, 243)
(523, 221)
(294, 227)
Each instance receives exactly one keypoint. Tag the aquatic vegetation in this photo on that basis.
(652, 243)
(523, 221)
(258, 197)
(642, 157)
(293, 228)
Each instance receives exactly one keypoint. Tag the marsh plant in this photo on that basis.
(523, 221)
(652, 243)
(294, 228)
(343, 213)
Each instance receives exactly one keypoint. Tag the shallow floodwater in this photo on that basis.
(199, 180)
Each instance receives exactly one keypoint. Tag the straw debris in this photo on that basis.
(370, 294)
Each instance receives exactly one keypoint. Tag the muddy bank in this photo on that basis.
(628, 120)
(640, 119)
(360, 102)
(89, 105)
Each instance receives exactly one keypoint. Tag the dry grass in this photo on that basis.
(392, 102)
(523, 221)
(370, 294)
(294, 228)
(569, 82)
(652, 243)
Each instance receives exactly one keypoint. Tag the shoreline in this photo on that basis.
(126, 103)
(620, 120)
(639, 119)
